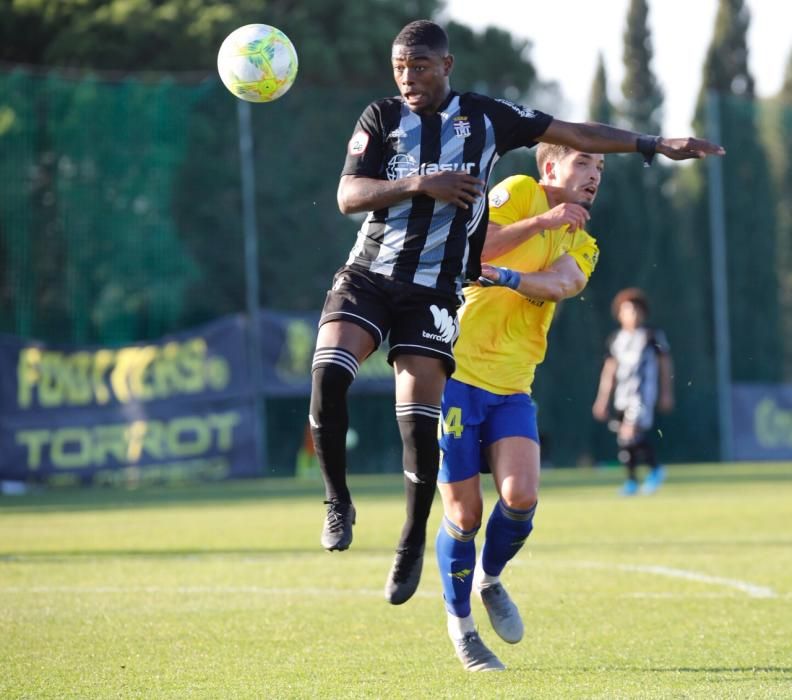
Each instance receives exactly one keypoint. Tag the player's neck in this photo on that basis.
(555, 195)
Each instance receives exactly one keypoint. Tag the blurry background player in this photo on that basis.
(540, 254)
(418, 164)
(637, 373)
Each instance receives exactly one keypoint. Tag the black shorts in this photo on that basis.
(416, 320)
(641, 434)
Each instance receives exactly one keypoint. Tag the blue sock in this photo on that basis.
(456, 559)
(507, 530)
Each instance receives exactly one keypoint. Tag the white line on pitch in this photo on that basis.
(750, 589)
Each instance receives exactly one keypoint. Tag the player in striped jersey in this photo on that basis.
(418, 165)
(637, 374)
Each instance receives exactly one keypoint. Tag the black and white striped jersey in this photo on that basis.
(637, 354)
(422, 240)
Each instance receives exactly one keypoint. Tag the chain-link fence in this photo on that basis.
(120, 221)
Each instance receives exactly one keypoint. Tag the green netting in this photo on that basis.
(120, 220)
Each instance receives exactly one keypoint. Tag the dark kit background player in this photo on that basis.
(637, 375)
(418, 164)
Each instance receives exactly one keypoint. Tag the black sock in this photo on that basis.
(627, 458)
(420, 460)
(333, 371)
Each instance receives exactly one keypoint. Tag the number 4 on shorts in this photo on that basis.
(452, 422)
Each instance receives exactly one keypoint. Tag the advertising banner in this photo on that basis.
(174, 409)
(762, 421)
(289, 340)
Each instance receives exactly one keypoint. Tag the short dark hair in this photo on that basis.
(550, 151)
(423, 32)
(635, 296)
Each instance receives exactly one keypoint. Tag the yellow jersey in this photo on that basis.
(503, 335)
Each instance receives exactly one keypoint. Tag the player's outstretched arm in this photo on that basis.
(362, 194)
(592, 137)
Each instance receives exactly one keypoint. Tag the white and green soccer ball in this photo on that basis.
(257, 63)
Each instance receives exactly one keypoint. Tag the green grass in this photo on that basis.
(222, 591)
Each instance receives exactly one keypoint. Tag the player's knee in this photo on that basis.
(417, 423)
(330, 381)
(465, 515)
(418, 430)
(517, 498)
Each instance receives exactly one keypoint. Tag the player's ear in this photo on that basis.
(549, 170)
(448, 64)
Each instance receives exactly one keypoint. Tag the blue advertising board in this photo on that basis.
(762, 421)
(178, 407)
(174, 409)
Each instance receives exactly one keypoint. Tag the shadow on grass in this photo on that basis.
(362, 486)
(208, 493)
(186, 553)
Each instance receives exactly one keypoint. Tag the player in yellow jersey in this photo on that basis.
(537, 254)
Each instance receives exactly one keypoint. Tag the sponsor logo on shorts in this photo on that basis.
(340, 282)
(446, 325)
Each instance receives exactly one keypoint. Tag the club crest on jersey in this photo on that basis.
(462, 127)
(358, 143)
(522, 111)
(498, 197)
(404, 165)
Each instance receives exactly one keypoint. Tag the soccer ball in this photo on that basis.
(257, 63)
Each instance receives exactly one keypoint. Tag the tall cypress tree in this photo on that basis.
(785, 215)
(658, 252)
(726, 66)
(580, 327)
(641, 110)
(749, 201)
(600, 107)
(643, 97)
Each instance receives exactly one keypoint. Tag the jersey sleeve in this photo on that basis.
(608, 350)
(511, 200)
(365, 149)
(660, 342)
(475, 247)
(515, 126)
(585, 254)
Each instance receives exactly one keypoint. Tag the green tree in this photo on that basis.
(183, 35)
(600, 107)
(156, 105)
(784, 148)
(726, 65)
(643, 97)
(491, 61)
(749, 200)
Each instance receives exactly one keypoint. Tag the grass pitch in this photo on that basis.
(222, 591)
